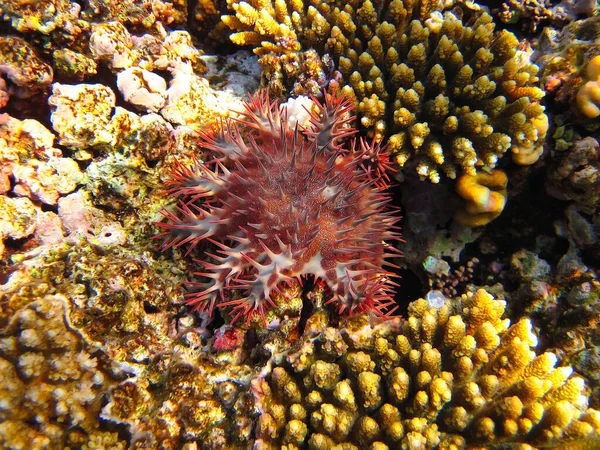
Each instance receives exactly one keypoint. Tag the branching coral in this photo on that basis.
(485, 197)
(461, 94)
(588, 95)
(456, 377)
(282, 202)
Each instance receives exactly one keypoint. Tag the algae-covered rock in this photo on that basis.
(26, 72)
(81, 114)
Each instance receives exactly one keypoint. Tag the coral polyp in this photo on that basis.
(280, 201)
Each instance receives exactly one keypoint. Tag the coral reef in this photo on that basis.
(194, 400)
(112, 44)
(97, 320)
(34, 172)
(454, 376)
(562, 298)
(283, 203)
(58, 17)
(81, 114)
(137, 14)
(530, 13)
(72, 66)
(106, 106)
(142, 88)
(432, 240)
(461, 94)
(533, 15)
(452, 283)
(85, 305)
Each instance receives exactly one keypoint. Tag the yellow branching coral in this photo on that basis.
(455, 377)
(588, 96)
(461, 95)
(484, 195)
(266, 22)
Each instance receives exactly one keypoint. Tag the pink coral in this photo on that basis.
(280, 202)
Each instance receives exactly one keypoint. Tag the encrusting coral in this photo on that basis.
(189, 399)
(50, 381)
(455, 377)
(88, 356)
(281, 202)
(461, 95)
(485, 197)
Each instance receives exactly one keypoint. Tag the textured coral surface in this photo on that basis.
(280, 201)
(451, 93)
(457, 376)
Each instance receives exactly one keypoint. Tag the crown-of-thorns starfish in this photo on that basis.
(279, 202)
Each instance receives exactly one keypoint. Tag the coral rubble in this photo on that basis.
(26, 75)
(33, 170)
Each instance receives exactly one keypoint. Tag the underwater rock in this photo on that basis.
(137, 14)
(455, 376)
(143, 89)
(26, 73)
(575, 175)
(190, 98)
(73, 66)
(81, 114)
(79, 218)
(44, 16)
(18, 217)
(49, 379)
(111, 43)
(38, 169)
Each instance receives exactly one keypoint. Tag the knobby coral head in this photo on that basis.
(280, 201)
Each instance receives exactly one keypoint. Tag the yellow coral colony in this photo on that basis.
(461, 94)
(588, 96)
(456, 377)
(484, 195)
